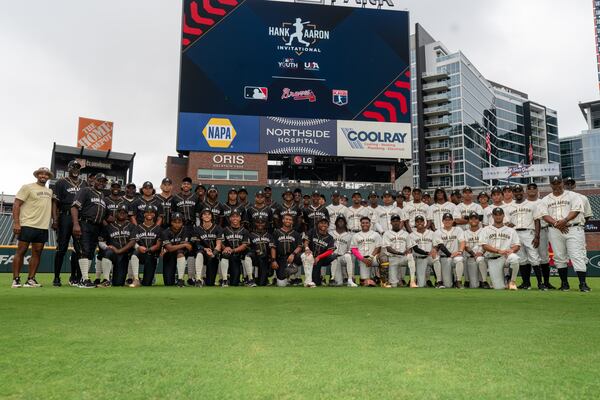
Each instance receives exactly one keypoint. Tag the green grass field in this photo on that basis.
(297, 343)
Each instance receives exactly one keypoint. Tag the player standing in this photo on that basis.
(466, 208)
(336, 209)
(385, 212)
(343, 257)
(570, 185)
(440, 207)
(261, 243)
(235, 245)
(355, 213)
(208, 240)
(165, 199)
(212, 203)
(543, 248)
(186, 203)
(315, 212)
(415, 208)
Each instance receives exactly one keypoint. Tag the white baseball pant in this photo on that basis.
(343, 263)
(543, 247)
(476, 270)
(365, 272)
(307, 264)
(422, 265)
(527, 253)
(398, 266)
(496, 269)
(447, 264)
(569, 246)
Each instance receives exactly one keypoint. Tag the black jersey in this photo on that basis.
(319, 244)
(261, 243)
(118, 234)
(168, 236)
(286, 242)
(91, 205)
(228, 208)
(112, 205)
(138, 206)
(166, 203)
(312, 216)
(253, 212)
(215, 208)
(294, 211)
(185, 203)
(65, 191)
(207, 238)
(147, 236)
(234, 238)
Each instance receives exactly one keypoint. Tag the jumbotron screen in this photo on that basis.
(292, 63)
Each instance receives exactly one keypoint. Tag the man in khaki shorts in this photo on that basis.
(32, 212)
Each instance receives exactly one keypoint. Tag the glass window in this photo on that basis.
(250, 175)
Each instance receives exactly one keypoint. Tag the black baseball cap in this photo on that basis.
(335, 193)
(146, 184)
(260, 193)
(498, 210)
(267, 188)
(507, 188)
(286, 191)
(517, 188)
(100, 177)
(484, 193)
(356, 192)
(212, 188)
(455, 192)
(316, 193)
(532, 185)
(496, 189)
(150, 208)
(556, 179)
(235, 211)
(306, 196)
(394, 217)
(206, 210)
(260, 220)
(74, 164)
(176, 216)
(388, 193)
(419, 218)
(447, 216)
(232, 190)
(426, 194)
(187, 179)
(323, 218)
(417, 189)
(243, 189)
(166, 180)
(473, 214)
(130, 185)
(298, 190)
(569, 179)
(122, 207)
(467, 189)
(115, 184)
(372, 193)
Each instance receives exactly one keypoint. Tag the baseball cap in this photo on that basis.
(517, 188)
(74, 164)
(473, 215)
(235, 211)
(166, 181)
(306, 196)
(267, 188)
(387, 193)
(484, 193)
(150, 208)
(260, 220)
(417, 189)
(146, 184)
(130, 185)
(419, 218)
(243, 189)
(187, 179)
(447, 216)
(286, 191)
(260, 193)
(176, 216)
(467, 189)
(298, 190)
(115, 184)
(569, 179)
(122, 207)
(356, 192)
(372, 193)
(335, 193)
(101, 177)
(426, 194)
(316, 193)
(507, 188)
(232, 190)
(498, 210)
(532, 185)
(212, 188)
(394, 217)
(455, 192)
(556, 179)
(205, 210)
(324, 218)
(496, 189)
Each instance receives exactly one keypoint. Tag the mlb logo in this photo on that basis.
(340, 97)
(256, 93)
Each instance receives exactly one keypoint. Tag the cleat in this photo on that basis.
(550, 286)
(351, 283)
(429, 284)
(225, 283)
(485, 285)
(191, 282)
(56, 282)
(31, 283)
(467, 284)
(251, 283)
(310, 285)
(564, 287)
(440, 285)
(458, 285)
(199, 283)
(542, 287)
(16, 283)
(105, 284)
(73, 282)
(128, 281)
(370, 283)
(97, 281)
(180, 283)
(584, 288)
(136, 283)
(524, 286)
(87, 284)
(386, 285)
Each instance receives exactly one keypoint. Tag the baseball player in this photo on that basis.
(147, 247)
(385, 212)
(117, 241)
(243, 197)
(507, 195)
(289, 207)
(427, 199)
(484, 200)
(415, 208)
(318, 251)
(365, 247)
(501, 245)
(231, 204)
(212, 203)
(397, 245)
(130, 193)
(186, 203)
(439, 208)
(475, 260)
(497, 201)
(88, 213)
(274, 206)
(32, 213)
(285, 255)
(450, 244)
(533, 197)
(570, 185)
(564, 212)
(113, 201)
(65, 191)
(165, 199)
(343, 258)
(208, 241)
(261, 243)
(373, 210)
(466, 208)
(201, 195)
(522, 217)
(455, 197)
(258, 210)
(147, 198)
(235, 246)
(176, 241)
(406, 194)
(424, 253)
(355, 213)
(314, 213)
(335, 209)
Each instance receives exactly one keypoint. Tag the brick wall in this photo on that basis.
(592, 241)
(176, 169)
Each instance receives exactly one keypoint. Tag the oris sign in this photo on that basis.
(228, 161)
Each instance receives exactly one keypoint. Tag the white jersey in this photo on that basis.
(451, 239)
(488, 218)
(587, 208)
(423, 240)
(472, 241)
(334, 212)
(522, 215)
(412, 210)
(559, 207)
(354, 216)
(373, 214)
(342, 242)
(502, 238)
(385, 213)
(366, 242)
(399, 241)
(536, 206)
(463, 210)
(437, 211)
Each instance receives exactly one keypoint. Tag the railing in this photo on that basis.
(329, 185)
(437, 97)
(437, 121)
(439, 171)
(436, 85)
(435, 110)
(437, 146)
(437, 159)
(439, 133)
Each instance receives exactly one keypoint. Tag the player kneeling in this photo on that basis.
(208, 240)
(424, 253)
(365, 247)
(501, 245)
(177, 245)
(285, 255)
(261, 243)
(147, 248)
(117, 242)
(398, 245)
(343, 258)
(318, 252)
(450, 243)
(235, 242)
(476, 266)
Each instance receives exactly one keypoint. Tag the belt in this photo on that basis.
(355, 230)
(494, 258)
(421, 256)
(90, 221)
(68, 212)
(574, 225)
(523, 229)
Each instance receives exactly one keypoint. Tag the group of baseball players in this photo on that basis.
(465, 241)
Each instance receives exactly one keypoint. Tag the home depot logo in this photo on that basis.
(219, 133)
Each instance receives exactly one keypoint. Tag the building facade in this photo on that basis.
(571, 157)
(580, 155)
(463, 123)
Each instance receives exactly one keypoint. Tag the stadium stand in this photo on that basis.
(595, 204)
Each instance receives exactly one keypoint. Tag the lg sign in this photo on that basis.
(222, 160)
(303, 160)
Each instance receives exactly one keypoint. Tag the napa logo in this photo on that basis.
(219, 133)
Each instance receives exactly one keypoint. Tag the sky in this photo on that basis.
(118, 60)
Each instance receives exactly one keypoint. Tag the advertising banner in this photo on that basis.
(219, 133)
(316, 137)
(373, 139)
(95, 134)
(521, 171)
(374, 4)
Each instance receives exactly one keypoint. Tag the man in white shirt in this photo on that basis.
(355, 212)
(386, 211)
(570, 185)
(343, 258)
(397, 245)
(543, 248)
(501, 244)
(450, 244)
(497, 201)
(424, 253)
(365, 247)
(563, 211)
(466, 208)
(415, 208)
(335, 209)
(440, 207)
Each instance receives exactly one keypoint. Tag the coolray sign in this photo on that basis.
(299, 36)
(374, 140)
(375, 4)
(218, 133)
(521, 171)
(298, 136)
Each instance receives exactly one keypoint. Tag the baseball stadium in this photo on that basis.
(317, 232)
